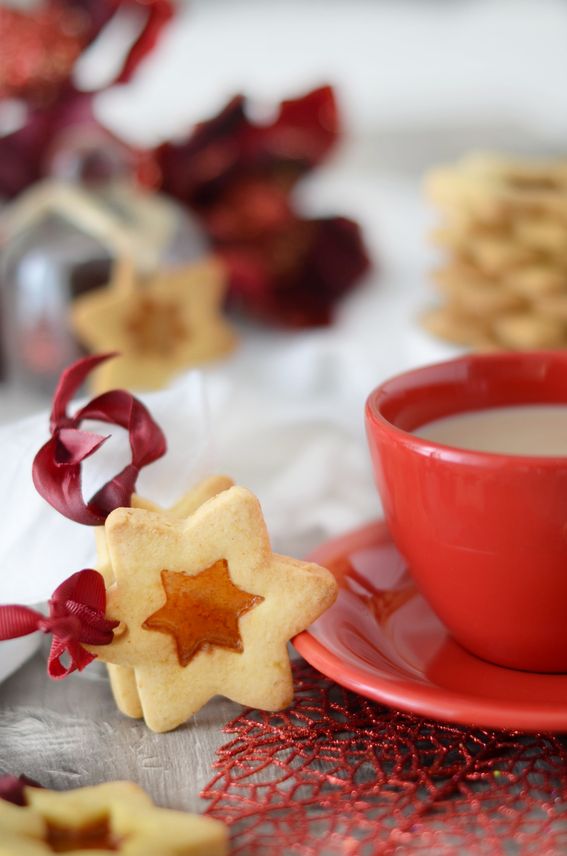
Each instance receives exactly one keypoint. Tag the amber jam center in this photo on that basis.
(201, 610)
(155, 327)
(94, 836)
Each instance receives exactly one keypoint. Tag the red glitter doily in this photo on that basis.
(339, 774)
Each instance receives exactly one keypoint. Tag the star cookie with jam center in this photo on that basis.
(122, 678)
(112, 817)
(160, 326)
(206, 607)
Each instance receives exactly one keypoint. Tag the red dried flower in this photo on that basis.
(56, 468)
(231, 146)
(76, 615)
(296, 275)
(237, 176)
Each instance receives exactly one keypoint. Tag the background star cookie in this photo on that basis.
(160, 325)
(116, 816)
(207, 607)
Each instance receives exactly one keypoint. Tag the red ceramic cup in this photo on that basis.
(485, 535)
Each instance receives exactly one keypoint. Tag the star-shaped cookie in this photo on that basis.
(122, 678)
(160, 325)
(172, 569)
(116, 816)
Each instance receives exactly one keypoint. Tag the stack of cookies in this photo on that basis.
(504, 231)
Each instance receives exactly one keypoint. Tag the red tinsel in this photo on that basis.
(39, 48)
(57, 466)
(76, 615)
(230, 146)
(337, 774)
(41, 45)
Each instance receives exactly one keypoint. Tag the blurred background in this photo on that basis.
(316, 209)
(397, 65)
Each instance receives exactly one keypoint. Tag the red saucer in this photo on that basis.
(382, 640)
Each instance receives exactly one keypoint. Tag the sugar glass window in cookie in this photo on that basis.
(94, 836)
(201, 610)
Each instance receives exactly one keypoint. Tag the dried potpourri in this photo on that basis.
(41, 45)
(237, 176)
(231, 146)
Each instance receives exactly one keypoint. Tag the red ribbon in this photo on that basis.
(12, 788)
(56, 468)
(76, 615)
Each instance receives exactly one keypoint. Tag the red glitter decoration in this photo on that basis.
(339, 775)
(39, 50)
(76, 615)
(231, 146)
(295, 275)
(56, 469)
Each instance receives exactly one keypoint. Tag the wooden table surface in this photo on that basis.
(67, 734)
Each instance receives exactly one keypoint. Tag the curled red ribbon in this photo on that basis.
(56, 468)
(76, 615)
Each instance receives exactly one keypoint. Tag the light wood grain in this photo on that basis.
(66, 734)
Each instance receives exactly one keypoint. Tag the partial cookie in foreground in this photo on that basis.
(122, 678)
(160, 326)
(116, 816)
(206, 607)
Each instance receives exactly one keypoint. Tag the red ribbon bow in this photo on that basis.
(12, 788)
(76, 615)
(56, 468)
